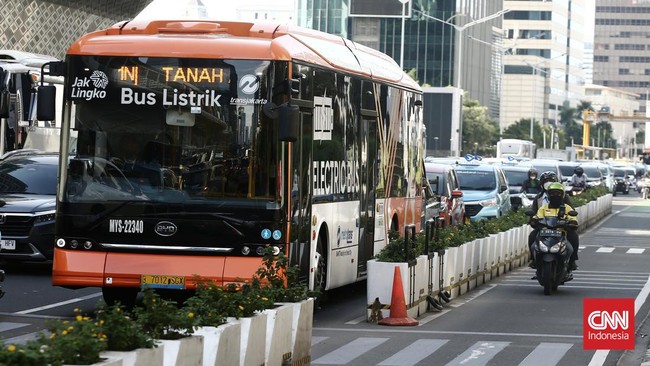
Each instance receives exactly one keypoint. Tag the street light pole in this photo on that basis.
(401, 52)
(460, 30)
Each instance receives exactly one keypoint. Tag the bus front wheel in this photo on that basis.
(321, 266)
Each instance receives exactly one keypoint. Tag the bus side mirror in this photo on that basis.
(5, 99)
(289, 120)
(46, 104)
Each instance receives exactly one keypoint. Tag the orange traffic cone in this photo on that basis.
(398, 314)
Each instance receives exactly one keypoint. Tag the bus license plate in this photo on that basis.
(8, 244)
(163, 281)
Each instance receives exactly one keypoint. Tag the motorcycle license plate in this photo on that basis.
(549, 232)
(8, 244)
(163, 281)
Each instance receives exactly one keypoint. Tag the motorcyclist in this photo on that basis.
(546, 179)
(557, 207)
(579, 178)
(532, 184)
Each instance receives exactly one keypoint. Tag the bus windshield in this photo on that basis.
(171, 130)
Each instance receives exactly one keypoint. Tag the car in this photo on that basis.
(443, 181)
(594, 176)
(516, 175)
(608, 176)
(545, 165)
(28, 185)
(567, 168)
(485, 190)
(621, 179)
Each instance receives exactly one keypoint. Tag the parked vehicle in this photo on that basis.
(485, 190)
(550, 252)
(28, 186)
(444, 183)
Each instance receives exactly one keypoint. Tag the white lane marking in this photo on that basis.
(445, 332)
(605, 250)
(316, 340)
(479, 354)
(357, 320)
(635, 251)
(56, 305)
(414, 353)
(350, 351)
(4, 326)
(546, 354)
(601, 355)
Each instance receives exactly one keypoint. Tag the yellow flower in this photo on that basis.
(64, 332)
(70, 328)
(79, 318)
(86, 318)
(11, 348)
(241, 308)
(52, 335)
(265, 299)
(190, 315)
(101, 322)
(117, 310)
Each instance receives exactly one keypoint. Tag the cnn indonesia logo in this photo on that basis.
(608, 324)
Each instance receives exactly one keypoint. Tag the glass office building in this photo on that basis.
(431, 46)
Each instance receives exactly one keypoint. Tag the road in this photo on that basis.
(507, 321)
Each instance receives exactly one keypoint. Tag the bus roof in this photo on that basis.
(224, 39)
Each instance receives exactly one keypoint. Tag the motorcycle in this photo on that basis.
(645, 188)
(575, 190)
(550, 252)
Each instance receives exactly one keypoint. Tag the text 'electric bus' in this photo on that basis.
(201, 143)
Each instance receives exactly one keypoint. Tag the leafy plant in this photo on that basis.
(123, 332)
(32, 353)
(162, 319)
(76, 342)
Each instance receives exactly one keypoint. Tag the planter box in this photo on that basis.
(269, 338)
(182, 352)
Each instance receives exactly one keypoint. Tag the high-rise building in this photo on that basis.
(544, 52)
(621, 45)
(431, 38)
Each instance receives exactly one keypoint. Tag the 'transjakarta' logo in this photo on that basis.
(90, 87)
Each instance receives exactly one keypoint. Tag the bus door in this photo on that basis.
(367, 176)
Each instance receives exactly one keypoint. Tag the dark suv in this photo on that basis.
(27, 206)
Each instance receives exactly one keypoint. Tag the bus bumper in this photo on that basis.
(74, 268)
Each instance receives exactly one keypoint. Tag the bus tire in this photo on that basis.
(125, 296)
(320, 277)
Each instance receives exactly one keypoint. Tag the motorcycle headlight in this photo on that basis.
(555, 248)
(489, 203)
(542, 247)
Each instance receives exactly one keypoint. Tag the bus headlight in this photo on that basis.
(60, 242)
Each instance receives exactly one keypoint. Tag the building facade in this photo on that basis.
(431, 38)
(48, 27)
(621, 45)
(544, 53)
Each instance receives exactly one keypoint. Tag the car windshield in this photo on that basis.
(567, 170)
(516, 177)
(30, 178)
(591, 171)
(476, 180)
(619, 173)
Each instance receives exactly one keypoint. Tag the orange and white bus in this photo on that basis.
(200, 143)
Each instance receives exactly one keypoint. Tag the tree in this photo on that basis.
(521, 130)
(479, 133)
(572, 130)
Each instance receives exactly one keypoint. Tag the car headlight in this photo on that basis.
(489, 203)
(44, 216)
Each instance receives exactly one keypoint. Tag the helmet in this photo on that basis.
(547, 178)
(578, 170)
(556, 189)
(555, 193)
(532, 172)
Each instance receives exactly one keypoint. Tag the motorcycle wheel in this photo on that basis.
(547, 277)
